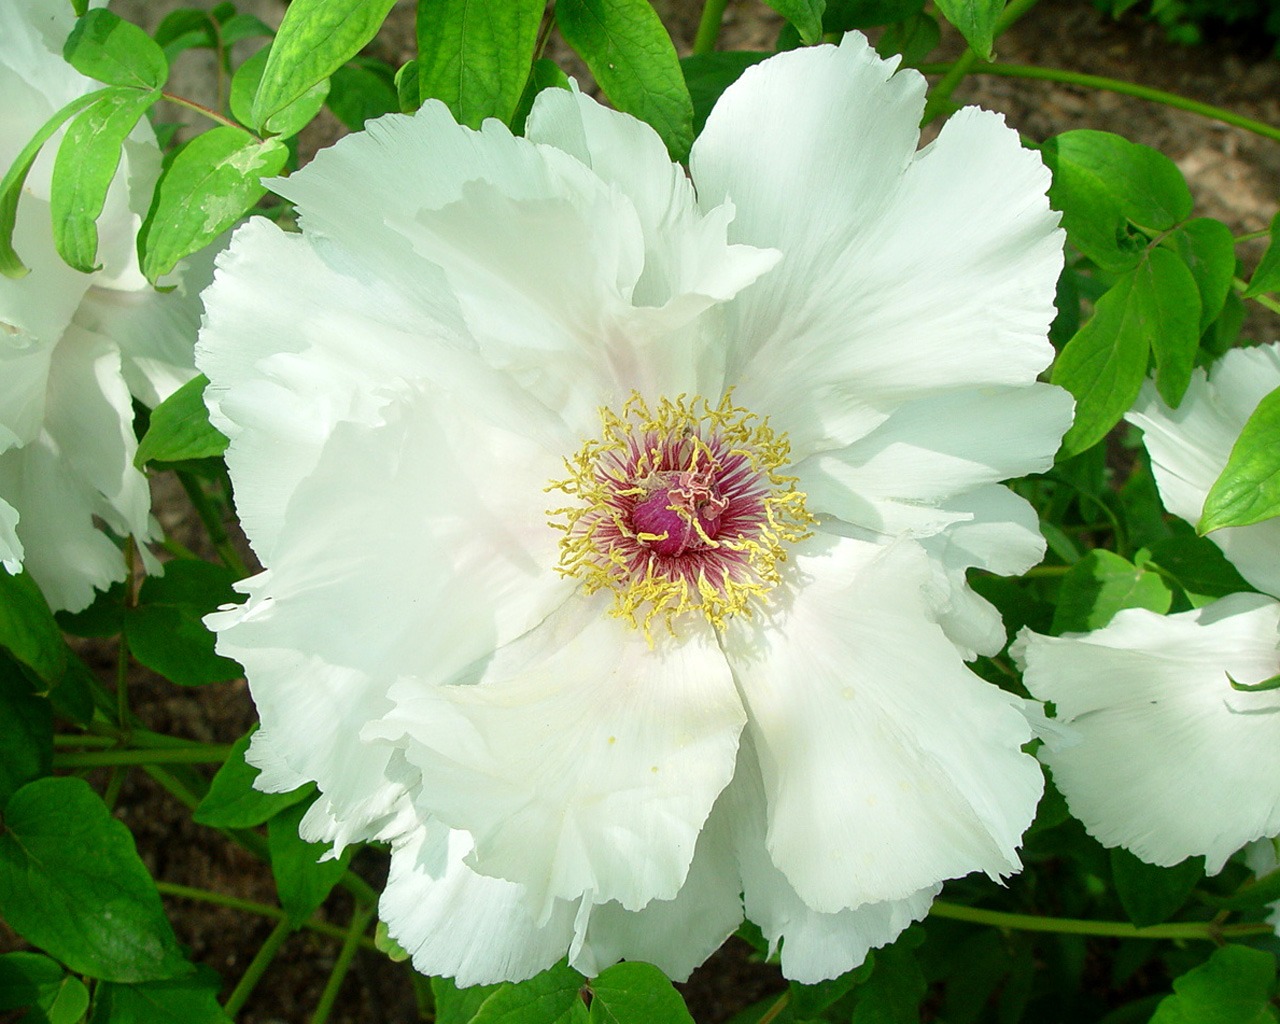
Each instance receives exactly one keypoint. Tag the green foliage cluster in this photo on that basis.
(1188, 21)
(1084, 934)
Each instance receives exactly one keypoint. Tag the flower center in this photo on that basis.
(682, 508)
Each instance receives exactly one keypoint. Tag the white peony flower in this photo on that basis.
(1169, 760)
(76, 349)
(616, 524)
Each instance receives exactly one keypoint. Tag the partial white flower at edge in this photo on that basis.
(77, 349)
(1169, 760)
(616, 524)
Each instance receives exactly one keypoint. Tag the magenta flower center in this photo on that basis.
(680, 509)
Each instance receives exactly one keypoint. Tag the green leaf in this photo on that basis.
(186, 29)
(16, 176)
(630, 54)
(243, 26)
(1104, 185)
(636, 993)
(915, 39)
(28, 628)
(283, 124)
(106, 47)
(393, 951)
(213, 181)
(1104, 365)
(303, 881)
(1248, 491)
(552, 997)
(358, 94)
(316, 38)
(812, 1000)
(805, 15)
(893, 993)
(546, 74)
(475, 56)
(407, 87)
(26, 732)
(454, 1005)
(976, 20)
(232, 802)
(180, 429)
(1234, 986)
(1150, 894)
(29, 981)
(1101, 584)
(189, 1000)
(1267, 277)
(104, 617)
(708, 75)
(1198, 566)
(1253, 895)
(165, 631)
(84, 168)
(71, 883)
(842, 15)
(1209, 251)
(1172, 306)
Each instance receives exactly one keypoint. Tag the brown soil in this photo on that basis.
(1234, 177)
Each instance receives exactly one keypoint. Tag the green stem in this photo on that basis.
(772, 1014)
(257, 967)
(204, 753)
(1101, 929)
(953, 74)
(1249, 236)
(218, 535)
(187, 892)
(213, 115)
(1115, 85)
(122, 650)
(359, 922)
(65, 740)
(1046, 570)
(709, 26)
(1262, 300)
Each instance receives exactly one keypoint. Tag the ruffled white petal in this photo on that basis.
(1189, 447)
(78, 467)
(154, 330)
(904, 274)
(674, 935)
(543, 255)
(433, 495)
(10, 546)
(887, 764)
(1170, 762)
(581, 759)
(815, 946)
(898, 478)
(686, 256)
(456, 923)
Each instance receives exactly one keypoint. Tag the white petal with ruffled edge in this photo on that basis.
(454, 922)
(543, 255)
(582, 759)
(679, 934)
(1189, 447)
(1168, 761)
(10, 546)
(815, 946)
(427, 517)
(80, 466)
(888, 765)
(964, 222)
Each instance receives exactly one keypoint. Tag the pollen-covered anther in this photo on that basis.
(682, 508)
